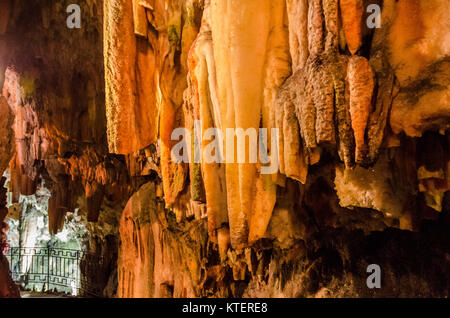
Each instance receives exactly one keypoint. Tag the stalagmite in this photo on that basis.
(298, 32)
(352, 13)
(361, 85)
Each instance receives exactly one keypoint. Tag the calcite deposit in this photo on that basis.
(7, 134)
(339, 156)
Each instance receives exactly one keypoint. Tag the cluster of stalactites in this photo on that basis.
(238, 60)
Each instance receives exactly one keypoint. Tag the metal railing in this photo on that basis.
(48, 268)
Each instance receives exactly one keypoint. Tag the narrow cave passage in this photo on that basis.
(225, 149)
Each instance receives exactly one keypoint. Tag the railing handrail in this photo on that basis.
(49, 247)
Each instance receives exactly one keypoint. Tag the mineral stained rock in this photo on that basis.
(370, 188)
(147, 266)
(206, 104)
(7, 134)
(131, 110)
(8, 288)
(290, 70)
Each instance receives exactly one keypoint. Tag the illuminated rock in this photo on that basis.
(241, 69)
(419, 53)
(298, 31)
(361, 85)
(147, 267)
(5, 11)
(205, 102)
(362, 123)
(370, 188)
(131, 110)
(352, 13)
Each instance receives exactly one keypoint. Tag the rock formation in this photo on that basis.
(339, 156)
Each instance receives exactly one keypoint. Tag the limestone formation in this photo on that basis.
(356, 121)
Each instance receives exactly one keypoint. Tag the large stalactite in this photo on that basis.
(362, 149)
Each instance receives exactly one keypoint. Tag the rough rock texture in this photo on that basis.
(7, 287)
(424, 82)
(130, 76)
(154, 260)
(56, 93)
(362, 150)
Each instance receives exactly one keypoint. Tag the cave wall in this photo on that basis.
(359, 116)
